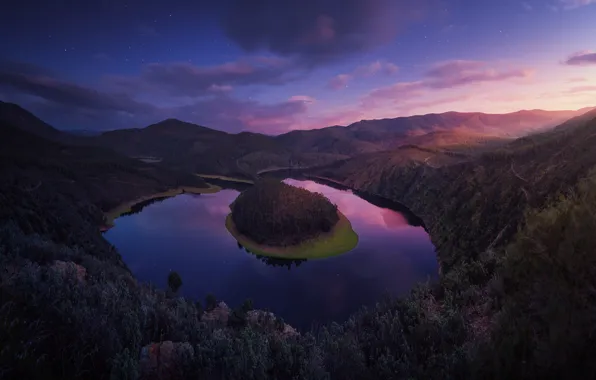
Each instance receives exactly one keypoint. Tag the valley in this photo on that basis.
(507, 211)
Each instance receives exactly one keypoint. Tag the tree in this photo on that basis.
(210, 302)
(174, 281)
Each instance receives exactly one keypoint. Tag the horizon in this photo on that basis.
(233, 67)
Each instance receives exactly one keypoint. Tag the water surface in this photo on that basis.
(187, 234)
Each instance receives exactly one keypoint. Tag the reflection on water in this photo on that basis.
(275, 261)
(187, 234)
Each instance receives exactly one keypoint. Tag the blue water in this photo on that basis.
(187, 234)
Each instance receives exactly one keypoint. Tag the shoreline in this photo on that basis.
(116, 212)
(341, 239)
(225, 178)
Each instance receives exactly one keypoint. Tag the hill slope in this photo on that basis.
(508, 305)
(203, 150)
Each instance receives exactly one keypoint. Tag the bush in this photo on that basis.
(174, 281)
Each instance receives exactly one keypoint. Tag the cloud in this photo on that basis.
(458, 73)
(339, 81)
(582, 58)
(445, 75)
(186, 79)
(318, 31)
(577, 80)
(580, 89)
(69, 105)
(302, 98)
(572, 4)
(527, 6)
(378, 67)
(37, 82)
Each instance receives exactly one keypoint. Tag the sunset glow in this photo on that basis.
(271, 67)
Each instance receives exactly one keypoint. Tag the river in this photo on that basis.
(187, 234)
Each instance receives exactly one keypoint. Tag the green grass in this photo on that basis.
(125, 207)
(341, 239)
(224, 178)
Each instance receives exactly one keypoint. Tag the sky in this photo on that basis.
(271, 66)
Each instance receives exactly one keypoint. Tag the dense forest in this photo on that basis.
(515, 237)
(277, 214)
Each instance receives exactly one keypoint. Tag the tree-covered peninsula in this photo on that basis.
(276, 219)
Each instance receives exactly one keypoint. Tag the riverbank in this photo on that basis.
(341, 239)
(126, 207)
(225, 178)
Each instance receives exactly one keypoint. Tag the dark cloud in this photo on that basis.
(582, 58)
(318, 31)
(35, 81)
(69, 105)
(186, 79)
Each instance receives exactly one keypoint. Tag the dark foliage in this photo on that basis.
(174, 281)
(515, 300)
(274, 213)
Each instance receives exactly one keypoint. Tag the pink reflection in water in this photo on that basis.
(359, 211)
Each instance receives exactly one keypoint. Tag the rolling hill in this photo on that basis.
(203, 150)
(513, 228)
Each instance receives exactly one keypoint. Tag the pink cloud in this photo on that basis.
(302, 98)
(586, 57)
(445, 75)
(572, 4)
(576, 80)
(378, 67)
(579, 89)
(458, 73)
(339, 81)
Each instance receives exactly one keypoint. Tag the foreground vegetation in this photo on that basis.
(515, 237)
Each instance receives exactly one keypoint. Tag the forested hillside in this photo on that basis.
(513, 230)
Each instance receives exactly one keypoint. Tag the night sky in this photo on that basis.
(275, 65)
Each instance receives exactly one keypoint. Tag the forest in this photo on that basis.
(277, 214)
(511, 304)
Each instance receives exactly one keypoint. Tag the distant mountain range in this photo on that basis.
(204, 150)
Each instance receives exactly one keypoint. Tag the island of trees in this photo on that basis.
(274, 218)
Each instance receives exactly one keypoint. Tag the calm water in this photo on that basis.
(187, 234)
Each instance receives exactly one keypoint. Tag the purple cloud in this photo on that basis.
(378, 67)
(572, 4)
(186, 79)
(318, 31)
(75, 105)
(34, 81)
(580, 89)
(446, 75)
(582, 58)
(458, 73)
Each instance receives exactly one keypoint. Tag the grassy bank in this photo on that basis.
(340, 239)
(224, 178)
(125, 207)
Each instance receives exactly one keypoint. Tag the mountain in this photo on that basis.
(203, 150)
(12, 114)
(457, 128)
(513, 227)
(507, 225)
